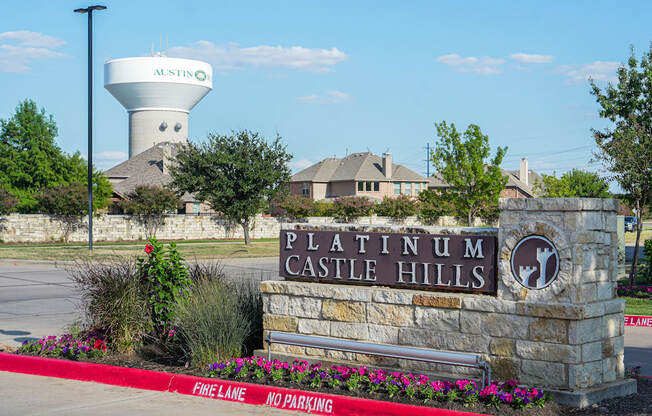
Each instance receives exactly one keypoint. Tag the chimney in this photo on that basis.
(167, 158)
(523, 173)
(387, 165)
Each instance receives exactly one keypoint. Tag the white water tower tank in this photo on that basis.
(158, 92)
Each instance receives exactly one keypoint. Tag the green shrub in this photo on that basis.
(433, 205)
(352, 206)
(397, 207)
(165, 278)
(322, 209)
(296, 206)
(113, 300)
(216, 318)
(8, 202)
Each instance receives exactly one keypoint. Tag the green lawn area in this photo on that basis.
(208, 249)
(636, 306)
(646, 234)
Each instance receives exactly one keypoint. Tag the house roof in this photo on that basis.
(355, 167)
(145, 168)
(436, 181)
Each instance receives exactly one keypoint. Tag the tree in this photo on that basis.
(237, 174)
(552, 187)
(587, 184)
(474, 182)
(296, 206)
(149, 204)
(625, 148)
(68, 203)
(30, 160)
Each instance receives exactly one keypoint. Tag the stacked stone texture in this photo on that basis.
(566, 336)
(36, 228)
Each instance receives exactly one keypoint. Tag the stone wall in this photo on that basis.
(568, 335)
(32, 228)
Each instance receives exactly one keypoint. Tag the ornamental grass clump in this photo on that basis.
(417, 387)
(215, 320)
(114, 300)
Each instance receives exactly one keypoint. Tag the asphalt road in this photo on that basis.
(38, 300)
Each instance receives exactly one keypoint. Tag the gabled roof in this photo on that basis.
(145, 168)
(436, 181)
(355, 167)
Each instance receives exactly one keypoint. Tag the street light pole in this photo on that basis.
(89, 10)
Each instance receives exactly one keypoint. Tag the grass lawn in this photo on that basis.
(636, 306)
(646, 234)
(108, 251)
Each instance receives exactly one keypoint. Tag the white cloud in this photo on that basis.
(233, 57)
(483, 66)
(328, 97)
(19, 49)
(528, 58)
(297, 165)
(604, 71)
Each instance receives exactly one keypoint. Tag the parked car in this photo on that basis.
(630, 223)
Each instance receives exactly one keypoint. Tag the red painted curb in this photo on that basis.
(248, 393)
(638, 320)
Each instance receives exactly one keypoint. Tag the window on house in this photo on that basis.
(360, 186)
(305, 189)
(195, 208)
(408, 188)
(376, 186)
(368, 186)
(397, 188)
(417, 187)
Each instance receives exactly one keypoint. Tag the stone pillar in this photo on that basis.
(563, 332)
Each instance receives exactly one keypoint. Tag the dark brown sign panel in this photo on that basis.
(463, 263)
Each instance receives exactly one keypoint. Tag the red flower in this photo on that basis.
(149, 248)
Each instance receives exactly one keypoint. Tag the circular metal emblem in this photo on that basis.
(200, 75)
(535, 262)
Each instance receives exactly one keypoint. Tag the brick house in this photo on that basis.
(358, 174)
(520, 183)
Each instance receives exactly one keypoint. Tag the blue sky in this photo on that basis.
(338, 76)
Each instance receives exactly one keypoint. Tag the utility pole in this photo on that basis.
(427, 160)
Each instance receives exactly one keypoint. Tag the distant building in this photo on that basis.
(150, 167)
(359, 174)
(520, 183)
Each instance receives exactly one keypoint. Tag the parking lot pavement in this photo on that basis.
(30, 395)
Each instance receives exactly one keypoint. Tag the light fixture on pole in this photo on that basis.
(89, 11)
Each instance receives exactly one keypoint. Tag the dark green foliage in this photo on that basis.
(239, 174)
(348, 207)
(625, 148)
(397, 207)
(149, 204)
(30, 160)
(67, 203)
(322, 209)
(114, 300)
(165, 277)
(433, 205)
(463, 161)
(8, 202)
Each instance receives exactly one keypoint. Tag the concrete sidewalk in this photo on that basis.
(28, 395)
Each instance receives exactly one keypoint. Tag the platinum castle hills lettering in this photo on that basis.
(418, 261)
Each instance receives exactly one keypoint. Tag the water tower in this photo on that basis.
(158, 92)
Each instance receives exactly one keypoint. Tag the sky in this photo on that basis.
(338, 77)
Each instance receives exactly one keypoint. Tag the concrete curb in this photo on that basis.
(255, 394)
